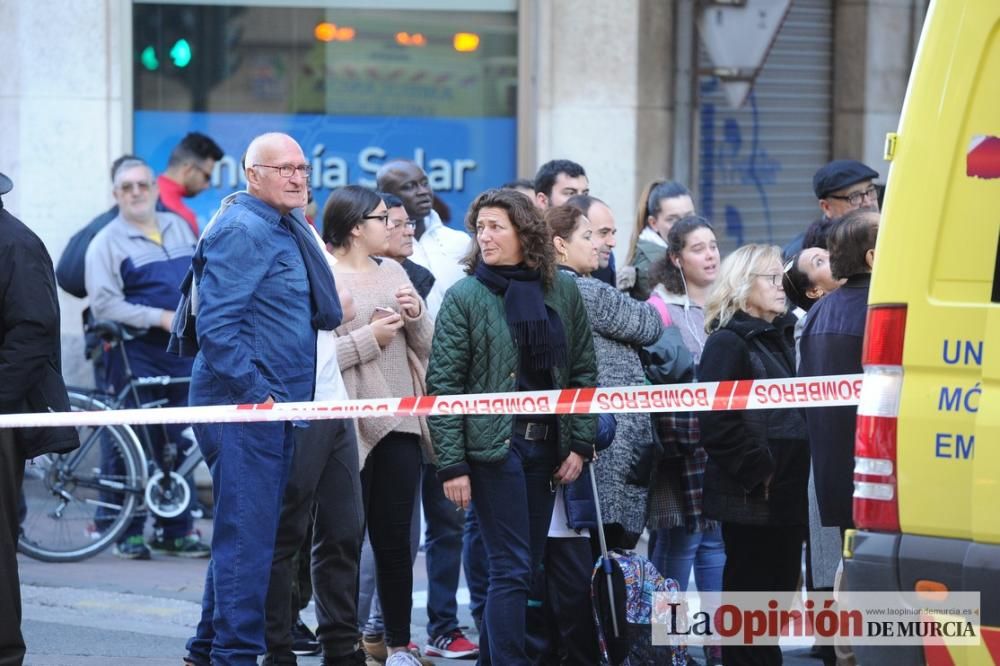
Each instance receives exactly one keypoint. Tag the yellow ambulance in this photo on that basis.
(927, 450)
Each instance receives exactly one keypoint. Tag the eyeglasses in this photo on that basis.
(855, 198)
(773, 278)
(286, 170)
(205, 172)
(384, 218)
(141, 186)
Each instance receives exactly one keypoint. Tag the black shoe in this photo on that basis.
(304, 641)
(356, 658)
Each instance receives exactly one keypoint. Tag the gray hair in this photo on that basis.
(129, 163)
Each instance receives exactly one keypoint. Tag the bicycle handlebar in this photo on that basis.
(113, 331)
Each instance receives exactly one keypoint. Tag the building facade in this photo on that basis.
(478, 92)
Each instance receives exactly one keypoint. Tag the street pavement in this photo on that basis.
(115, 612)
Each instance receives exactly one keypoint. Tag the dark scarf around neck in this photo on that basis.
(538, 332)
(326, 310)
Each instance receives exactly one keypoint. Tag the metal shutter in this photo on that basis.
(755, 163)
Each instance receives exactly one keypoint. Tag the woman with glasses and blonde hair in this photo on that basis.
(382, 353)
(758, 460)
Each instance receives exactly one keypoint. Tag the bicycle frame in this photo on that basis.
(76, 455)
(192, 455)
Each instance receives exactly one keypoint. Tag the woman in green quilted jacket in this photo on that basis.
(514, 324)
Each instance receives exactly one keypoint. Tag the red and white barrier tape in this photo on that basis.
(835, 390)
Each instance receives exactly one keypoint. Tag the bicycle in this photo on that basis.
(77, 504)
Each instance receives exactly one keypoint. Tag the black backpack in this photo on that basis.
(71, 270)
(72, 267)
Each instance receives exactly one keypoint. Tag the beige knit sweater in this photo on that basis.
(372, 372)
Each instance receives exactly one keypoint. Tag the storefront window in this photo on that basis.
(355, 87)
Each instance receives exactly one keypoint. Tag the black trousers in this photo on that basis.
(389, 480)
(11, 476)
(760, 557)
(324, 492)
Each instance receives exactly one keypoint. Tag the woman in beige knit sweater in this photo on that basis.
(382, 352)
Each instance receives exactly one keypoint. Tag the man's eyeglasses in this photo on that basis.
(773, 278)
(408, 224)
(855, 198)
(286, 170)
(203, 171)
(141, 186)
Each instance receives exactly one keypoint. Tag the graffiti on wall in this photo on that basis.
(734, 166)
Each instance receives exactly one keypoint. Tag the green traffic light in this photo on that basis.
(181, 53)
(149, 59)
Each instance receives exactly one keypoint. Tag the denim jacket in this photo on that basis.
(255, 334)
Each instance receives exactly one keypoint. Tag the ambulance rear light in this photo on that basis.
(876, 501)
(884, 332)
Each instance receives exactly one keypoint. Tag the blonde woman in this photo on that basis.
(758, 466)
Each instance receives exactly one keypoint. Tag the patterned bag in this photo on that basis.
(634, 579)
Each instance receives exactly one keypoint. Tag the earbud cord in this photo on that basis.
(687, 315)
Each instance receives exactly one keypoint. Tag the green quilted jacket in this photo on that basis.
(473, 352)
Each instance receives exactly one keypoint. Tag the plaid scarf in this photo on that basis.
(679, 434)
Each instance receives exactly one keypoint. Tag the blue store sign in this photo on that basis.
(462, 156)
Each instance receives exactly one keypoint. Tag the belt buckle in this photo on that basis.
(536, 431)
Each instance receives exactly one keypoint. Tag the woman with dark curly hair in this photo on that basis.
(684, 538)
(514, 324)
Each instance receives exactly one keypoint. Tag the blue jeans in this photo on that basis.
(443, 542)
(475, 565)
(677, 550)
(513, 501)
(250, 464)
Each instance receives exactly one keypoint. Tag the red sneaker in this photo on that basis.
(453, 645)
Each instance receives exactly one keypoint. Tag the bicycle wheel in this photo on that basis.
(76, 504)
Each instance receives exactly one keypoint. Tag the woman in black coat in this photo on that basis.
(755, 480)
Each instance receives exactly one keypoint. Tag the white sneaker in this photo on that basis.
(403, 658)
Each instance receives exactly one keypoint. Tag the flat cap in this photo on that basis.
(839, 174)
(6, 185)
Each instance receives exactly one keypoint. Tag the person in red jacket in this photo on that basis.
(188, 173)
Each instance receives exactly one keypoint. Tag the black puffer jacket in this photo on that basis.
(746, 448)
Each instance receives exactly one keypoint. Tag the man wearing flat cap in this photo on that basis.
(32, 382)
(845, 185)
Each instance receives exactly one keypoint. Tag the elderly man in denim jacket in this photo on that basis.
(264, 288)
